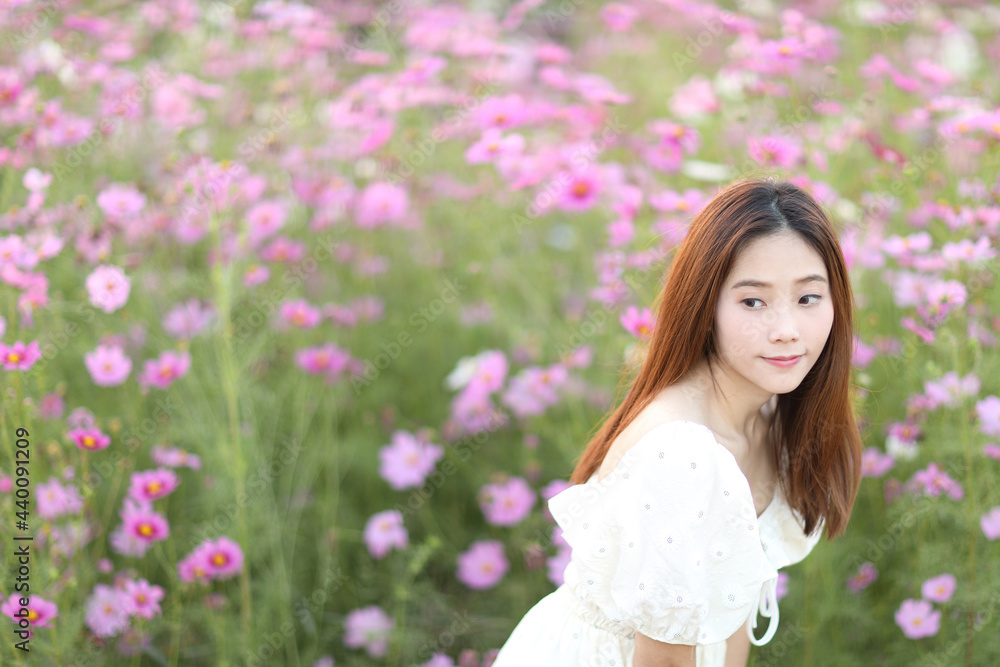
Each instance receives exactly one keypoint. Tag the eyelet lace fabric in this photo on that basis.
(669, 545)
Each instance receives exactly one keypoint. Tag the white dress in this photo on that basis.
(668, 544)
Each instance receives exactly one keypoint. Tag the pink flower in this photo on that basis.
(39, 610)
(638, 323)
(300, 313)
(368, 628)
(19, 357)
(106, 611)
(408, 460)
(55, 500)
(283, 249)
(89, 439)
(556, 565)
(328, 360)
(992, 450)
(188, 319)
(120, 202)
(256, 275)
(108, 288)
(695, 98)
(194, 567)
(863, 579)
(264, 219)
(507, 503)
(917, 619)
(223, 556)
(988, 411)
(874, 463)
(150, 485)
(380, 203)
(582, 189)
(774, 151)
(933, 481)
(126, 543)
(108, 365)
(482, 565)
(385, 531)
(162, 371)
(939, 588)
(990, 523)
(141, 522)
(502, 112)
(175, 458)
(493, 145)
(781, 589)
(144, 598)
(618, 17)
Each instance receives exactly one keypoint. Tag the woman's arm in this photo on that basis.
(738, 648)
(652, 653)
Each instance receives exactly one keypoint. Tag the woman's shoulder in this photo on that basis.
(669, 410)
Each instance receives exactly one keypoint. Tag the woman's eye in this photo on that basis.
(748, 302)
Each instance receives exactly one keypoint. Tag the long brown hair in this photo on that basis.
(816, 441)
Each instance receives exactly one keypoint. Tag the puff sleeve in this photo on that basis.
(667, 544)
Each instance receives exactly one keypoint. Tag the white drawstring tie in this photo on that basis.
(767, 607)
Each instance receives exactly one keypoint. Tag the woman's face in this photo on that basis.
(766, 309)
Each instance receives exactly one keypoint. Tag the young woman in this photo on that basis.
(735, 445)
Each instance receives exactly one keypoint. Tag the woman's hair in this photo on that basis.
(817, 444)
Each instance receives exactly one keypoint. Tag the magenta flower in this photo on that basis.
(255, 275)
(144, 598)
(385, 531)
(40, 610)
(188, 319)
(917, 618)
(141, 522)
(300, 313)
(162, 371)
(507, 503)
(939, 588)
(19, 357)
(89, 439)
(120, 202)
(106, 611)
(108, 365)
(990, 523)
(502, 112)
(55, 500)
(483, 564)
(368, 628)
(224, 558)
(638, 323)
(194, 567)
(407, 461)
(874, 463)
(992, 450)
(781, 588)
(380, 203)
(582, 188)
(866, 575)
(108, 288)
(988, 411)
(150, 485)
(175, 458)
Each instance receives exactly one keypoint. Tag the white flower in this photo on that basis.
(900, 449)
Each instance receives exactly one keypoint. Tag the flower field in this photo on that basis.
(307, 309)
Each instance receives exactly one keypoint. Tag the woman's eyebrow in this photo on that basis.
(759, 283)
